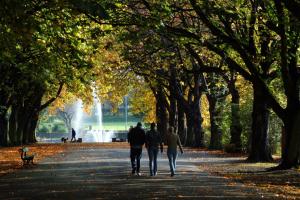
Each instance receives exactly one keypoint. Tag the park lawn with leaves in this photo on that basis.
(10, 159)
(284, 183)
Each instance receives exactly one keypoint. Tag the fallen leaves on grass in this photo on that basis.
(10, 158)
(284, 183)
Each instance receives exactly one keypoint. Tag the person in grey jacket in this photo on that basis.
(153, 144)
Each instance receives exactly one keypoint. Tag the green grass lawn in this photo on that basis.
(117, 126)
(110, 122)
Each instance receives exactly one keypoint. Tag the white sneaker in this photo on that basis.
(139, 174)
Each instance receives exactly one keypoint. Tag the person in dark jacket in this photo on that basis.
(73, 135)
(136, 139)
(153, 143)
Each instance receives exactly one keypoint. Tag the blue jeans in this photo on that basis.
(152, 153)
(172, 155)
(135, 157)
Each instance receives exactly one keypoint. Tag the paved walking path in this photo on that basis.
(103, 173)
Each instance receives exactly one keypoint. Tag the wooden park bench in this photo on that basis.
(26, 158)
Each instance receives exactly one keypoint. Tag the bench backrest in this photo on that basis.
(25, 149)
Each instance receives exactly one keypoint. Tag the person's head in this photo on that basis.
(152, 126)
(171, 130)
(139, 124)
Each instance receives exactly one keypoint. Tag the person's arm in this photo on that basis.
(179, 144)
(144, 137)
(160, 143)
(147, 140)
(129, 136)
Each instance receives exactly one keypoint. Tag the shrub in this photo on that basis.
(43, 129)
(59, 128)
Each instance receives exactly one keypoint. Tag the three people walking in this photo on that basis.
(153, 142)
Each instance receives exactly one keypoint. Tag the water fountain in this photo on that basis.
(94, 134)
(98, 134)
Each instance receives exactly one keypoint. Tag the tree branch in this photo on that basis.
(45, 105)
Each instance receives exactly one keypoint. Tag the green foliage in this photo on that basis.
(275, 131)
(59, 128)
(43, 129)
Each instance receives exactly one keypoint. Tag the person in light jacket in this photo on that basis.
(173, 141)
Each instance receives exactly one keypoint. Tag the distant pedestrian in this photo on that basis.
(153, 143)
(173, 141)
(136, 138)
(73, 135)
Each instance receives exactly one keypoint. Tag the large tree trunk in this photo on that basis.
(236, 126)
(196, 106)
(291, 134)
(216, 132)
(33, 110)
(260, 149)
(173, 111)
(29, 131)
(162, 115)
(13, 126)
(291, 151)
(190, 140)
(181, 124)
(3, 129)
(199, 133)
(3, 120)
(172, 99)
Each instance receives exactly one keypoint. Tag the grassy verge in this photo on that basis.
(284, 183)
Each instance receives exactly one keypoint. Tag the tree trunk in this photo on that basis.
(22, 120)
(33, 111)
(181, 124)
(30, 129)
(13, 125)
(199, 133)
(196, 104)
(291, 135)
(190, 128)
(173, 112)
(260, 149)
(236, 126)
(162, 116)
(291, 151)
(3, 129)
(172, 99)
(216, 132)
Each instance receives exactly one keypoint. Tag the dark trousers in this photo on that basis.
(135, 156)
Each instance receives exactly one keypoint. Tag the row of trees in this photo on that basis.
(182, 49)
(185, 49)
(45, 52)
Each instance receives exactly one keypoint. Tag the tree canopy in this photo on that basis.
(167, 55)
